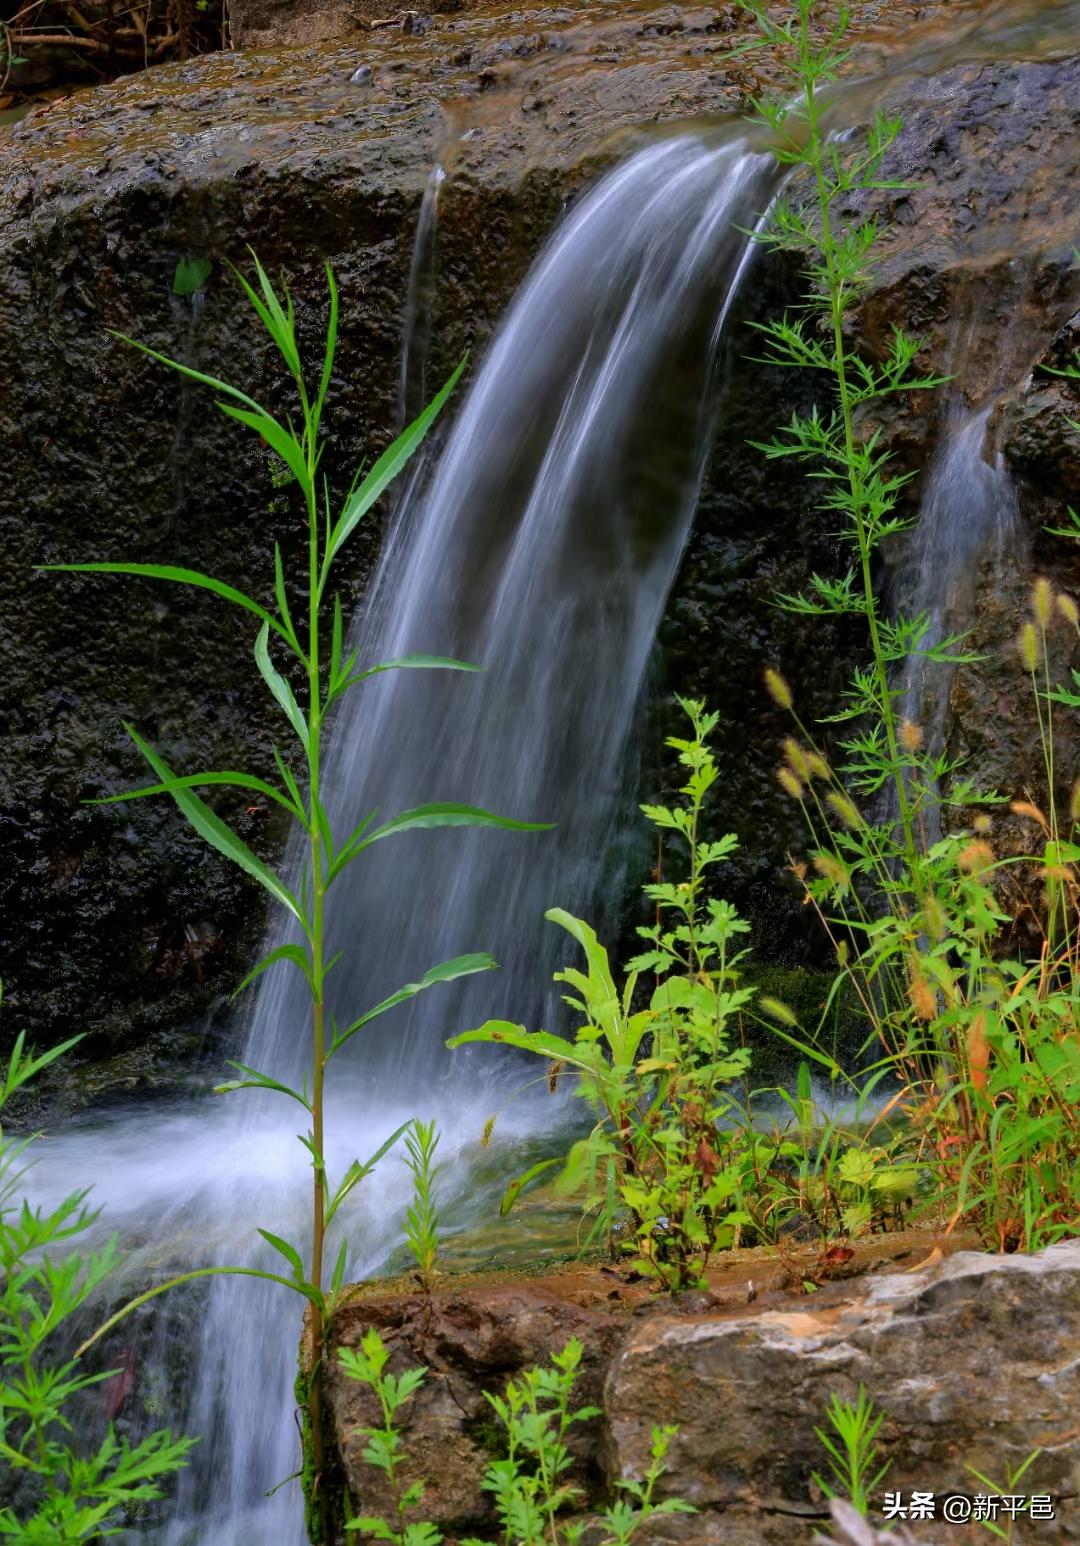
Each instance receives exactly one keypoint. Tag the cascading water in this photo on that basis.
(412, 394)
(542, 549)
(968, 522)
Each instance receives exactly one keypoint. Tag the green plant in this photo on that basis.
(1016, 1475)
(636, 1507)
(823, 1173)
(979, 1045)
(854, 1456)
(67, 1494)
(527, 1483)
(315, 643)
(656, 1078)
(422, 1216)
(383, 1449)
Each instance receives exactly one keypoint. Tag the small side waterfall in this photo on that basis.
(543, 549)
(967, 524)
(416, 339)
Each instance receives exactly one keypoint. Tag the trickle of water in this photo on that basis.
(543, 550)
(966, 528)
(416, 334)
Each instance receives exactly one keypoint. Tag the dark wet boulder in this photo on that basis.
(115, 920)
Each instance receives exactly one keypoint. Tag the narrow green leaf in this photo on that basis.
(186, 370)
(385, 471)
(447, 971)
(282, 599)
(280, 440)
(414, 663)
(294, 789)
(294, 953)
(336, 639)
(506, 1033)
(253, 1080)
(230, 779)
(216, 833)
(280, 687)
(331, 347)
(357, 1171)
(450, 815)
(180, 576)
(273, 318)
(338, 1275)
(515, 1189)
(290, 1253)
(308, 1290)
(349, 851)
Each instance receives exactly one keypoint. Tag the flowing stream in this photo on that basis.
(541, 546)
(968, 519)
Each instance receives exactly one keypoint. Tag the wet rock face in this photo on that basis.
(115, 921)
(972, 1362)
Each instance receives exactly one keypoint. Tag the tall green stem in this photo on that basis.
(319, 859)
(835, 283)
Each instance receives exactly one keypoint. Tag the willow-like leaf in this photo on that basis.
(294, 953)
(357, 1171)
(308, 1290)
(447, 971)
(254, 1080)
(230, 779)
(449, 815)
(211, 827)
(179, 576)
(280, 688)
(280, 440)
(192, 375)
(385, 470)
(413, 663)
(515, 1189)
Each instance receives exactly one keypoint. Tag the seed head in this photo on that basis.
(978, 1051)
(819, 768)
(778, 1011)
(832, 868)
(911, 736)
(921, 994)
(1032, 812)
(846, 809)
(1074, 803)
(555, 1068)
(1069, 610)
(777, 689)
(1042, 601)
(1029, 647)
(796, 758)
(935, 918)
(485, 1136)
(789, 783)
(976, 858)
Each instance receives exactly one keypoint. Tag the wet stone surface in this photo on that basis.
(118, 922)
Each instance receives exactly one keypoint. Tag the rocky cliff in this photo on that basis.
(116, 921)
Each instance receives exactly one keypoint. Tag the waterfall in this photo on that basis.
(967, 524)
(541, 546)
(416, 333)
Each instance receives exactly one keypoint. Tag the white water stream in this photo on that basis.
(543, 549)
